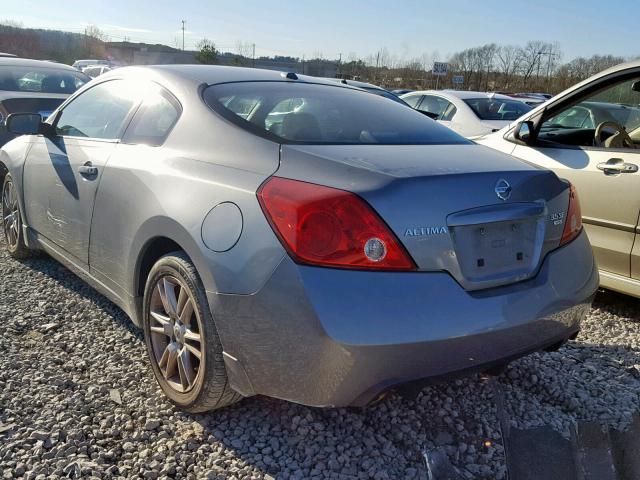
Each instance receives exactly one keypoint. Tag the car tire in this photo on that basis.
(12, 220)
(177, 322)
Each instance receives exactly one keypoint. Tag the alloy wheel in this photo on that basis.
(176, 333)
(10, 215)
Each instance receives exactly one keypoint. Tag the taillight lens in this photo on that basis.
(325, 226)
(573, 223)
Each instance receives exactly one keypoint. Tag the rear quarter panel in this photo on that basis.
(147, 193)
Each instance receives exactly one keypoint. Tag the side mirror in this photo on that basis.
(24, 123)
(524, 132)
(635, 86)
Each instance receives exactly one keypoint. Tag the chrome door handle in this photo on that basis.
(88, 170)
(614, 166)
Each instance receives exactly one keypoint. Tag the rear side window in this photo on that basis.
(413, 100)
(439, 106)
(307, 113)
(154, 119)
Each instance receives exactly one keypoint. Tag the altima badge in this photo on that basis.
(424, 231)
(503, 189)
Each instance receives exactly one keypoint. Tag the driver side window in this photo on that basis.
(99, 112)
(609, 118)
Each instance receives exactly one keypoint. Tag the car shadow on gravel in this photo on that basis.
(618, 303)
(67, 279)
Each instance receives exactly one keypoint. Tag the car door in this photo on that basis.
(62, 171)
(606, 176)
(118, 208)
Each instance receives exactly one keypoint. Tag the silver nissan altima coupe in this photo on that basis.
(288, 236)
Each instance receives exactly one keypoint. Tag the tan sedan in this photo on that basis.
(590, 135)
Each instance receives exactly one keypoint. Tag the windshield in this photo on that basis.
(42, 80)
(311, 113)
(497, 109)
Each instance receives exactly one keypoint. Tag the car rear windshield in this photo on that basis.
(497, 109)
(42, 80)
(300, 112)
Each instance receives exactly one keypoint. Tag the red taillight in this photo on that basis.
(573, 223)
(326, 226)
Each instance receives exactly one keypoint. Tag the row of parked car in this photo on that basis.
(586, 131)
(317, 240)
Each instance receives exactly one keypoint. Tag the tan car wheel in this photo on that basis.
(182, 342)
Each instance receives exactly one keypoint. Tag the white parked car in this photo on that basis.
(96, 70)
(471, 114)
(80, 64)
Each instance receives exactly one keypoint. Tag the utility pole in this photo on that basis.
(183, 22)
(303, 64)
(551, 54)
(253, 56)
(377, 63)
(339, 63)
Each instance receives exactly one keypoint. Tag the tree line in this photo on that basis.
(536, 66)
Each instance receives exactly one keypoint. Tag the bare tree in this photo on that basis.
(244, 52)
(529, 58)
(95, 33)
(507, 60)
(11, 23)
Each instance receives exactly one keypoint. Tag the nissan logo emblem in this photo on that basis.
(503, 189)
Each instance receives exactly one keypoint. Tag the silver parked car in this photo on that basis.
(295, 237)
(34, 86)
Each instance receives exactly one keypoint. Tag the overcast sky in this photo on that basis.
(408, 28)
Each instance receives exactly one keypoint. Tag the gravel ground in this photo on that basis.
(77, 399)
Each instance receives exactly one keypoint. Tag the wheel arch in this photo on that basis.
(3, 171)
(13, 156)
(157, 237)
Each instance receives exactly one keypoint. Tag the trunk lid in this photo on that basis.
(484, 217)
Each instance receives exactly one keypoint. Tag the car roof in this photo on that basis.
(214, 74)
(606, 106)
(355, 83)
(94, 60)
(635, 64)
(465, 94)
(461, 94)
(28, 62)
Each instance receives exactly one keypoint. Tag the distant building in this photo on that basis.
(129, 53)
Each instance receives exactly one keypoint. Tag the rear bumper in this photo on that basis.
(328, 337)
